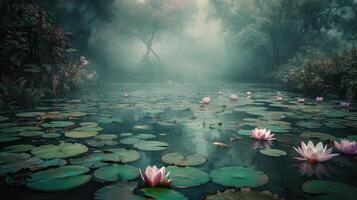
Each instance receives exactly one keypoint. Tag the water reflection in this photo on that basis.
(320, 170)
(258, 144)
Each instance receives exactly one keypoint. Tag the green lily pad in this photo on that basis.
(116, 172)
(29, 114)
(50, 135)
(112, 192)
(30, 133)
(57, 179)
(238, 177)
(107, 120)
(126, 155)
(8, 138)
(63, 150)
(187, 176)
(334, 114)
(103, 140)
(20, 148)
(329, 189)
(180, 160)
(273, 152)
(19, 129)
(80, 134)
(58, 124)
(88, 129)
(89, 124)
(163, 194)
(309, 124)
(318, 135)
(2, 118)
(231, 194)
(131, 140)
(145, 136)
(151, 145)
(96, 160)
(126, 134)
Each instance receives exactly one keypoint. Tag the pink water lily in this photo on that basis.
(279, 98)
(155, 177)
(262, 134)
(314, 154)
(319, 99)
(83, 62)
(300, 100)
(345, 104)
(233, 97)
(347, 147)
(248, 93)
(206, 100)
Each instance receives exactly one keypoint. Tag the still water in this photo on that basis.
(172, 115)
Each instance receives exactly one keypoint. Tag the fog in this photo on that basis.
(197, 52)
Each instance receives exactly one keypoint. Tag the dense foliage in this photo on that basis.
(266, 34)
(320, 74)
(34, 54)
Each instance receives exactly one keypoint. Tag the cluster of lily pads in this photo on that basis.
(75, 153)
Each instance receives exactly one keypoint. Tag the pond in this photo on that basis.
(91, 147)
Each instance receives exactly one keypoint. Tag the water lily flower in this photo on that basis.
(314, 154)
(248, 93)
(345, 104)
(347, 147)
(206, 100)
(220, 93)
(126, 95)
(155, 177)
(262, 134)
(233, 97)
(319, 99)
(279, 98)
(300, 100)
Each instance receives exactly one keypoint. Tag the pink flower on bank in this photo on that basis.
(345, 104)
(155, 177)
(83, 61)
(233, 97)
(300, 100)
(206, 100)
(314, 154)
(262, 134)
(319, 99)
(347, 147)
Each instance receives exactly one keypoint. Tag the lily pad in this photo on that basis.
(58, 124)
(126, 134)
(112, 192)
(318, 135)
(126, 155)
(151, 145)
(29, 114)
(163, 194)
(309, 124)
(20, 148)
(131, 140)
(231, 194)
(180, 160)
(50, 135)
(329, 189)
(30, 133)
(2, 118)
(273, 152)
(238, 177)
(103, 140)
(19, 129)
(80, 134)
(63, 150)
(57, 179)
(187, 176)
(116, 172)
(96, 160)
(145, 136)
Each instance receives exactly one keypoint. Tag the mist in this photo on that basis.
(197, 52)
